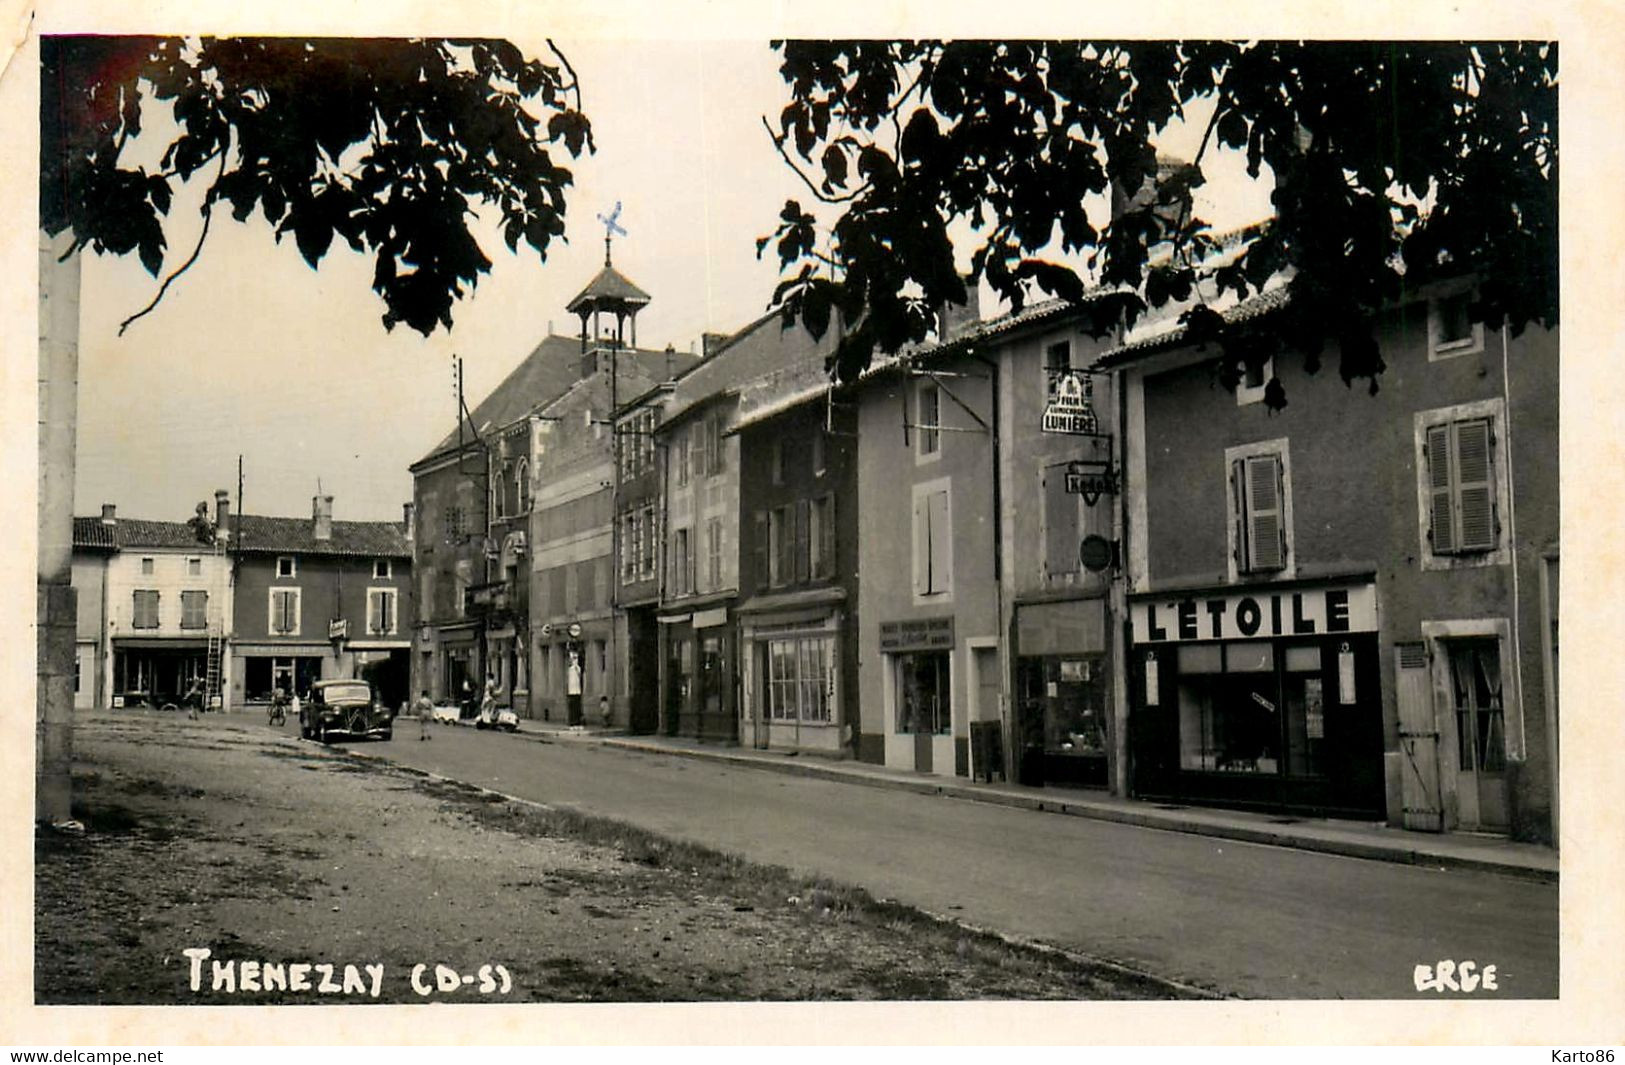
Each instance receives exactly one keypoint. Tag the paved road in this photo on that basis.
(1246, 919)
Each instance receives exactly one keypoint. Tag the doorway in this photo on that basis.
(1478, 715)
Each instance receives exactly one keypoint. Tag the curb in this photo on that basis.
(1397, 854)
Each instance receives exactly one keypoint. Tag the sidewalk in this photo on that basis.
(1354, 839)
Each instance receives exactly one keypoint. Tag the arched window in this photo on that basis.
(521, 477)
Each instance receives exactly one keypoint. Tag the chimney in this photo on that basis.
(710, 342)
(109, 514)
(321, 516)
(222, 508)
(955, 319)
(409, 515)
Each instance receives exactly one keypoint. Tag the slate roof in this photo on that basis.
(542, 377)
(609, 286)
(296, 536)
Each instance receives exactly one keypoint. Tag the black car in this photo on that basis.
(346, 708)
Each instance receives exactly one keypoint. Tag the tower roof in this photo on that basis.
(609, 291)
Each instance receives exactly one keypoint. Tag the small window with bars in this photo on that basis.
(1461, 487)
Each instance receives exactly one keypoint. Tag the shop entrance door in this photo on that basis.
(1479, 719)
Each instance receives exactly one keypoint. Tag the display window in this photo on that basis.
(1251, 707)
(924, 697)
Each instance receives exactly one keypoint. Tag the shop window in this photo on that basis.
(930, 418)
(381, 619)
(1228, 708)
(284, 613)
(800, 679)
(924, 698)
(1260, 508)
(1064, 703)
(194, 610)
(933, 540)
(1462, 509)
(1475, 688)
(1304, 700)
(145, 614)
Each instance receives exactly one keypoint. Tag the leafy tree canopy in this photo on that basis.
(385, 144)
(1394, 163)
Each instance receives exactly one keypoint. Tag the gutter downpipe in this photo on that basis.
(1005, 720)
(1517, 604)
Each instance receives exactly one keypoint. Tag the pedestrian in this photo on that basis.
(193, 698)
(488, 701)
(425, 709)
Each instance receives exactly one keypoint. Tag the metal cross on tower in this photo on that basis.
(611, 228)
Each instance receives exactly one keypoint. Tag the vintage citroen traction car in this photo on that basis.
(344, 708)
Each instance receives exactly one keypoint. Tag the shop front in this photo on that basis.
(697, 677)
(1266, 699)
(917, 661)
(153, 672)
(793, 677)
(1063, 693)
(573, 672)
(266, 667)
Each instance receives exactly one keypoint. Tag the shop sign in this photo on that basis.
(1259, 615)
(710, 619)
(1069, 410)
(338, 630)
(922, 634)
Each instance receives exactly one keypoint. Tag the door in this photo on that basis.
(84, 675)
(985, 660)
(1418, 741)
(1478, 713)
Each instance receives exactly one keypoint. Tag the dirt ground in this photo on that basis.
(228, 836)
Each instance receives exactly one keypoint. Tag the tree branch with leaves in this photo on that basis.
(389, 145)
(1394, 164)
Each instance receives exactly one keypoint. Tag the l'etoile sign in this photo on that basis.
(1256, 615)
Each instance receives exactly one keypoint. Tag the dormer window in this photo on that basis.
(285, 566)
(381, 569)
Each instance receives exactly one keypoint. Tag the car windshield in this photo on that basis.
(347, 693)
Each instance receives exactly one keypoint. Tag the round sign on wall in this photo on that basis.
(575, 630)
(1095, 552)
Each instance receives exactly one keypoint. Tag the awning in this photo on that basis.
(158, 643)
(757, 604)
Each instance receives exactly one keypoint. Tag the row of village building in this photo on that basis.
(1023, 552)
(1019, 552)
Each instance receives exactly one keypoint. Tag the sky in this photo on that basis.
(252, 353)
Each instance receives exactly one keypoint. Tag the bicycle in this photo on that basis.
(278, 714)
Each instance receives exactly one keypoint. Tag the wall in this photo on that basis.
(1353, 474)
(888, 470)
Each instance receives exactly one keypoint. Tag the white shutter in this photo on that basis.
(1439, 494)
(941, 542)
(1474, 486)
(922, 546)
(1265, 514)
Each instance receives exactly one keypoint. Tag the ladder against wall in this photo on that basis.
(217, 639)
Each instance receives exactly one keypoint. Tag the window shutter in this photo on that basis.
(803, 540)
(922, 546)
(940, 543)
(1265, 517)
(1238, 498)
(1476, 525)
(826, 534)
(1439, 490)
(1060, 524)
